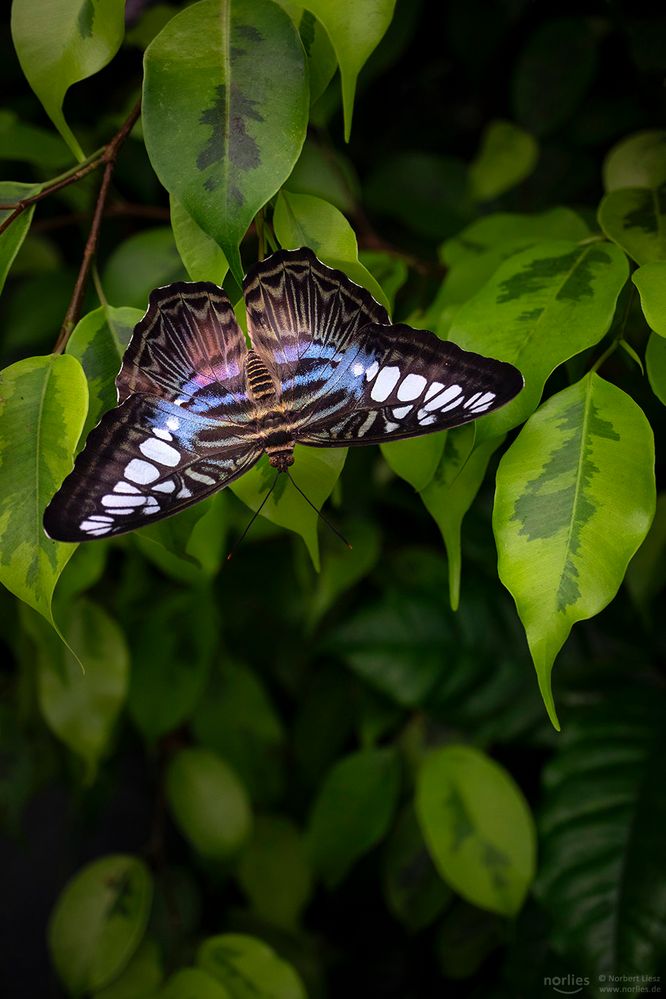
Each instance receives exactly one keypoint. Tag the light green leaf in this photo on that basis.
(274, 871)
(637, 161)
(512, 231)
(322, 63)
(355, 28)
(508, 154)
(12, 238)
(478, 827)
(452, 490)
(315, 470)
(141, 978)
(151, 21)
(650, 279)
(541, 307)
(303, 220)
(415, 460)
(145, 261)
(352, 811)
(655, 363)
(81, 706)
(225, 112)
(28, 143)
(42, 408)
(99, 921)
(192, 983)
(98, 342)
(208, 803)
(75, 40)
(635, 219)
(202, 257)
(249, 968)
(171, 656)
(575, 498)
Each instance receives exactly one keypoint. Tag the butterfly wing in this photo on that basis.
(145, 460)
(399, 382)
(184, 426)
(347, 375)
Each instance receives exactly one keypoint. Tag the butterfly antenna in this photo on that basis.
(256, 513)
(319, 513)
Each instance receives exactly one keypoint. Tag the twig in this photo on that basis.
(109, 159)
(120, 210)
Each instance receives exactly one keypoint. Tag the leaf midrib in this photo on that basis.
(579, 476)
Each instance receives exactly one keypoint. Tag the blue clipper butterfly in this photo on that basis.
(197, 408)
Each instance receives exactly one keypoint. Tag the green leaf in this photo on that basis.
(452, 490)
(141, 978)
(466, 937)
(414, 891)
(601, 878)
(28, 143)
(341, 568)
(81, 708)
(324, 173)
(543, 96)
(646, 575)
(145, 261)
(42, 408)
(171, 658)
(650, 279)
(635, 219)
(478, 827)
(221, 135)
(74, 41)
(355, 28)
(655, 363)
(12, 238)
(428, 194)
(322, 63)
(575, 498)
(512, 231)
(248, 968)
(190, 546)
(98, 342)
(303, 220)
(316, 470)
(352, 811)
(208, 803)
(637, 161)
(202, 257)
(508, 154)
(415, 460)
(389, 270)
(237, 720)
(99, 921)
(192, 983)
(540, 308)
(274, 871)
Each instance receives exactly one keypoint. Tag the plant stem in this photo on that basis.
(109, 158)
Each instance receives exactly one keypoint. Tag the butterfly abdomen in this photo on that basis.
(259, 382)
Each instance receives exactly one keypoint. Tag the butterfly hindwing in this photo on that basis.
(188, 347)
(146, 460)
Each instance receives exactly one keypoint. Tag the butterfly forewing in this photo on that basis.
(147, 459)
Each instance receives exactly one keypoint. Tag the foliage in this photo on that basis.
(311, 770)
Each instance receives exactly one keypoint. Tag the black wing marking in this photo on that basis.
(300, 315)
(187, 348)
(396, 382)
(146, 460)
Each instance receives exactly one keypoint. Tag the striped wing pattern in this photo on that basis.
(189, 420)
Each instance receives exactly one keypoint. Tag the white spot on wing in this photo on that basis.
(184, 493)
(357, 369)
(367, 423)
(104, 520)
(473, 399)
(485, 399)
(199, 477)
(125, 487)
(163, 435)
(173, 423)
(441, 400)
(385, 383)
(159, 451)
(141, 471)
(390, 427)
(452, 405)
(91, 525)
(401, 412)
(426, 420)
(167, 486)
(372, 371)
(411, 387)
(111, 500)
(433, 389)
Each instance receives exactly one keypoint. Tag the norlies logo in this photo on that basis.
(567, 985)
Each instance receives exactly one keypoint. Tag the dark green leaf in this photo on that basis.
(274, 871)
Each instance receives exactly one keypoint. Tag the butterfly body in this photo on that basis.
(197, 408)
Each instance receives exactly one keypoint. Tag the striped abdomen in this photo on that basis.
(259, 382)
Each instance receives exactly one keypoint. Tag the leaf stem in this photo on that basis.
(109, 158)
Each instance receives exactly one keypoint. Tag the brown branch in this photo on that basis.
(120, 210)
(109, 158)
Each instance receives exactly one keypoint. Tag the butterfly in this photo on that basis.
(197, 408)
